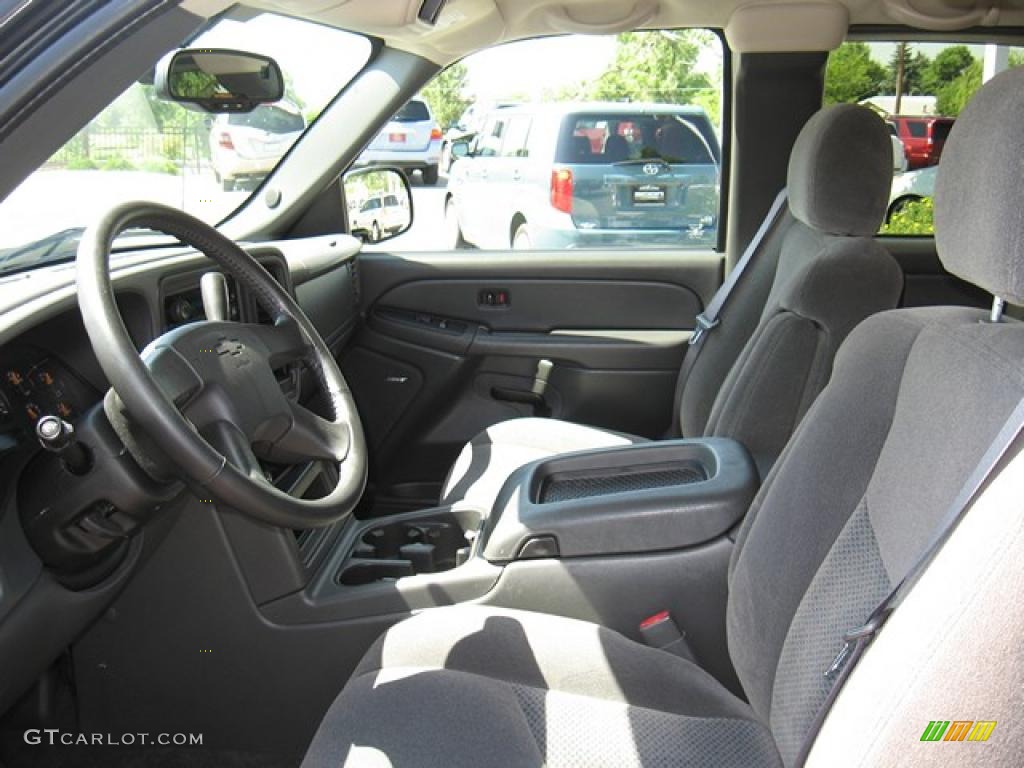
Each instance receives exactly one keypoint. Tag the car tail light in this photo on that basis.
(226, 142)
(435, 133)
(561, 189)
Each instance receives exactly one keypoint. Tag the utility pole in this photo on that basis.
(901, 60)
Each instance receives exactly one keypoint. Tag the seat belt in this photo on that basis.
(708, 320)
(856, 641)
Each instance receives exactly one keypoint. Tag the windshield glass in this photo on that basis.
(142, 148)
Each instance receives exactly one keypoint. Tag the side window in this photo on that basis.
(490, 139)
(617, 141)
(515, 137)
(923, 87)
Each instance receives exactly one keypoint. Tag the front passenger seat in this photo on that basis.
(817, 276)
(918, 399)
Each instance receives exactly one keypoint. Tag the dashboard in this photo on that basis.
(37, 383)
(47, 366)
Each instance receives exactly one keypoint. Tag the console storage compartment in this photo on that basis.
(393, 547)
(640, 498)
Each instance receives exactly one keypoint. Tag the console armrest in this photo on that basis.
(641, 498)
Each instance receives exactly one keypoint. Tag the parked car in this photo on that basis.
(247, 146)
(467, 126)
(378, 216)
(411, 140)
(580, 175)
(911, 187)
(922, 137)
(899, 152)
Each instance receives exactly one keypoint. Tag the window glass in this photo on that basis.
(413, 112)
(516, 136)
(616, 138)
(490, 139)
(922, 87)
(142, 148)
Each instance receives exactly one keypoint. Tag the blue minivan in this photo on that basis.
(571, 175)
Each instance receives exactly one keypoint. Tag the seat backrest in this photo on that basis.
(916, 398)
(616, 149)
(817, 277)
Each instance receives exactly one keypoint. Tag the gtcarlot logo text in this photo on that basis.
(54, 737)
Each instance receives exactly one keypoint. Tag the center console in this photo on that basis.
(642, 498)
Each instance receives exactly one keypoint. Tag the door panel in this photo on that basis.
(451, 345)
(926, 282)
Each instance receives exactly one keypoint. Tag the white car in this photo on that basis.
(899, 152)
(247, 146)
(378, 216)
(411, 141)
(910, 187)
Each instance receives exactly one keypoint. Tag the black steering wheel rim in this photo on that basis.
(150, 404)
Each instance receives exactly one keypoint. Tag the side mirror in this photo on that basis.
(379, 203)
(213, 80)
(460, 148)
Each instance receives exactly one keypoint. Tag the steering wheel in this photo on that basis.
(205, 394)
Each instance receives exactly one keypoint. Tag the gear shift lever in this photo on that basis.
(214, 289)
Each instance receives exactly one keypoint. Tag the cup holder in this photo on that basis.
(418, 545)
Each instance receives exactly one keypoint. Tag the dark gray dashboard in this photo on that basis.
(47, 364)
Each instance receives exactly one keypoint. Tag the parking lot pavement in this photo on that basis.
(53, 200)
(427, 231)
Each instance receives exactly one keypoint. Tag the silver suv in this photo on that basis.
(586, 175)
(411, 140)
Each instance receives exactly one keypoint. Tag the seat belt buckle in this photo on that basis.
(861, 635)
(703, 326)
(660, 631)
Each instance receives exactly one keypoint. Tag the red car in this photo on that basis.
(923, 138)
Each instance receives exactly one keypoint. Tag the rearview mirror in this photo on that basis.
(460, 148)
(215, 80)
(379, 203)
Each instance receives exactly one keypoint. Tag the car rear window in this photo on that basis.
(618, 138)
(269, 119)
(940, 129)
(917, 128)
(412, 112)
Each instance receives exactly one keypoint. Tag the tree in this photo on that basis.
(915, 66)
(852, 75)
(953, 96)
(946, 67)
(446, 95)
(658, 67)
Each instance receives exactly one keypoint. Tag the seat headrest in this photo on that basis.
(840, 171)
(979, 190)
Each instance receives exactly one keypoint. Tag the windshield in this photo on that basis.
(413, 112)
(142, 148)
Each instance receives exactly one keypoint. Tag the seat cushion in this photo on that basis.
(477, 686)
(488, 460)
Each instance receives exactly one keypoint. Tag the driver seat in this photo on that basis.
(917, 398)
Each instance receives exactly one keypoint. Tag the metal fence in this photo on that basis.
(168, 151)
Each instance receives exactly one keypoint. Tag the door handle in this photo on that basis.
(516, 176)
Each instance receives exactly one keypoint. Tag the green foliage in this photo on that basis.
(154, 165)
(953, 96)
(117, 162)
(445, 95)
(81, 164)
(658, 67)
(916, 69)
(173, 147)
(916, 217)
(852, 75)
(946, 67)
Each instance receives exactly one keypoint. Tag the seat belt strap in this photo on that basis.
(709, 318)
(856, 641)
